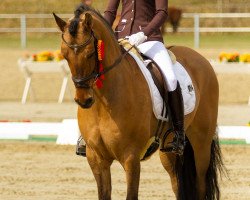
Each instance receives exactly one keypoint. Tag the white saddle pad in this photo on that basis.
(184, 79)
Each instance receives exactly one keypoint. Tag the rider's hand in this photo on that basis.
(137, 38)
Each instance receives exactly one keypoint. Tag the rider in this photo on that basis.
(140, 22)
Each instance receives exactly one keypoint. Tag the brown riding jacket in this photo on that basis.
(138, 15)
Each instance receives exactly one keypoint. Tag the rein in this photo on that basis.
(82, 82)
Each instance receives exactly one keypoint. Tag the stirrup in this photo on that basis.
(176, 149)
(80, 148)
(176, 146)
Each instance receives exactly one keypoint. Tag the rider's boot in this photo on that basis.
(176, 107)
(81, 147)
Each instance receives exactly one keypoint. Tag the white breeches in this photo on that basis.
(157, 51)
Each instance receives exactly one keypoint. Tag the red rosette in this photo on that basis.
(100, 70)
(100, 49)
(99, 83)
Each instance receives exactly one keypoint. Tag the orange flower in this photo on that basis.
(47, 56)
(229, 57)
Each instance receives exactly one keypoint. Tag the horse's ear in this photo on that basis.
(60, 23)
(88, 22)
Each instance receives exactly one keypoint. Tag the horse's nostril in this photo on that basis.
(89, 101)
(87, 104)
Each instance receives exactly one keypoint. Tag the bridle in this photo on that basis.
(75, 47)
(96, 73)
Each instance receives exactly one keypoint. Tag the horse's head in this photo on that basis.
(79, 49)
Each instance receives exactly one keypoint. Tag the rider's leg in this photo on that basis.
(157, 51)
(175, 102)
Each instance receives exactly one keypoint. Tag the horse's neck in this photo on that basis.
(117, 82)
(124, 82)
(112, 48)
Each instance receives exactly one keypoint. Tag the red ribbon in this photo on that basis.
(100, 49)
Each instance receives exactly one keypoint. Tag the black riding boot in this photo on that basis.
(176, 107)
(81, 147)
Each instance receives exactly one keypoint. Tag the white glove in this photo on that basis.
(137, 38)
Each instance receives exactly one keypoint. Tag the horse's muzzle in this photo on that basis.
(87, 104)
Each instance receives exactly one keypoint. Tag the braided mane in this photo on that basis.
(80, 9)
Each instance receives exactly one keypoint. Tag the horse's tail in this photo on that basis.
(216, 165)
(186, 173)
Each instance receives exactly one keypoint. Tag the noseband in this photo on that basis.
(96, 73)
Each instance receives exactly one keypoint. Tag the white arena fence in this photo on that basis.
(196, 29)
(67, 131)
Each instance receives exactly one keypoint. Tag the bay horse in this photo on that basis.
(174, 18)
(117, 120)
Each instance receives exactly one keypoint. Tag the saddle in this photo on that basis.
(151, 66)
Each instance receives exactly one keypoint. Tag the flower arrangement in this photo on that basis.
(234, 57)
(229, 57)
(46, 56)
(245, 58)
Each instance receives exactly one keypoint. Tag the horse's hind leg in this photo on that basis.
(168, 162)
(201, 134)
(101, 171)
(202, 154)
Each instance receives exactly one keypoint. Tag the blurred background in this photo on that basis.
(217, 29)
(211, 27)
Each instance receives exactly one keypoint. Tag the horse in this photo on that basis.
(174, 17)
(116, 120)
(87, 2)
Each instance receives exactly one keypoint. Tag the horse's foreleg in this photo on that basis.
(101, 171)
(132, 167)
